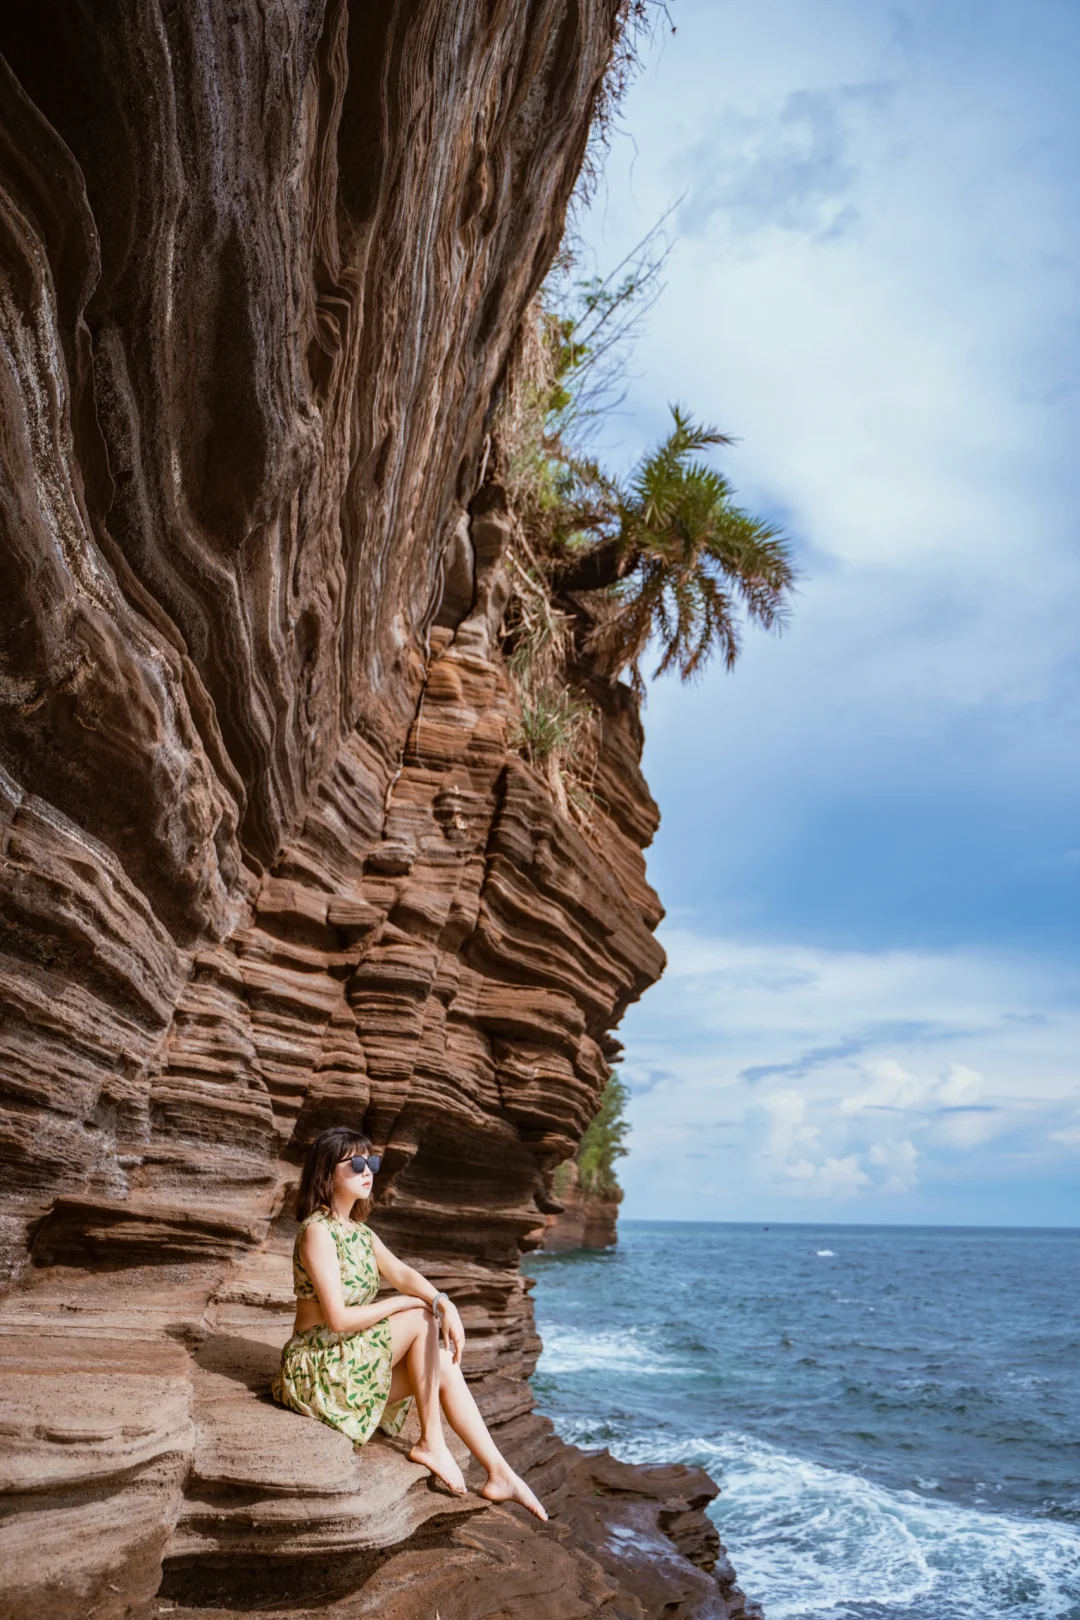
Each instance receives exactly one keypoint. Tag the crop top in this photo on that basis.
(356, 1257)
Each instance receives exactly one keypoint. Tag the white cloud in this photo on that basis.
(965, 1131)
(790, 1138)
(788, 1128)
(1069, 1134)
(900, 1162)
(834, 1179)
(895, 1088)
(875, 1075)
(789, 1134)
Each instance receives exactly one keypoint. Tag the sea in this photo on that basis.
(892, 1413)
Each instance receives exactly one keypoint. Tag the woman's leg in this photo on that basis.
(414, 1338)
(463, 1416)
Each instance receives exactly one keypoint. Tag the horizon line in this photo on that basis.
(903, 1226)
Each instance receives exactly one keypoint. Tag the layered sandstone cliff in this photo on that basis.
(587, 1220)
(269, 859)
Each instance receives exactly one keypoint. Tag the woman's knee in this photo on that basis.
(405, 1328)
(447, 1365)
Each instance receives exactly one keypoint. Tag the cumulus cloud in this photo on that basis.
(871, 1124)
(942, 1109)
(896, 1089)
(788, 1125)
(790, 1140)
(899, 1160)
(834, 1179)
(966, 1128)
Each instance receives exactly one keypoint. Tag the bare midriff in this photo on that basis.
(308, 1315)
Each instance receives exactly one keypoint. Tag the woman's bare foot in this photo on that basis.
(438, 1458)
(508, 1487)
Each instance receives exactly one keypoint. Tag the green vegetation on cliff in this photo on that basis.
(605, 569)
(599, 1148)
(602, 1143)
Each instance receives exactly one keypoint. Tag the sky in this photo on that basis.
(870, 845)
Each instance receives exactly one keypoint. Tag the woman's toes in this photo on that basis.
(509, 1487)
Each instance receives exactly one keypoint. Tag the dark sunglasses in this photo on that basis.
(360, 1164)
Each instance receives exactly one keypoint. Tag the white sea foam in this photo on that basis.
(826, 1254)
(815, 1543)
(567, 1350)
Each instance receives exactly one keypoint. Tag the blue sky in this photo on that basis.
(870, 851)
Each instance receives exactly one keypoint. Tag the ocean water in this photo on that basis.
(893, 1413)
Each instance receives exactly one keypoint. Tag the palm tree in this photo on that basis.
(674, 558)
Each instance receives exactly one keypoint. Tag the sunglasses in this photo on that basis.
(360, 1163)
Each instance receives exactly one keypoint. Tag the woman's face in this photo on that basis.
(349, 1182)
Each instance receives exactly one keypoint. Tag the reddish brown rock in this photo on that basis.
(267, 858)
(585, 1221)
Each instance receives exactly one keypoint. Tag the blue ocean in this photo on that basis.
(893, 1414)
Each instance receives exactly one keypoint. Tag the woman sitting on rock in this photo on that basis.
(357, 1364)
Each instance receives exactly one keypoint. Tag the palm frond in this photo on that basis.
(690, 553)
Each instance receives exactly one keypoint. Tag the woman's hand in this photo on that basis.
(452, 1331)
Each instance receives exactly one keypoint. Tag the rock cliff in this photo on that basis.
(269, 859)
(585, 1221)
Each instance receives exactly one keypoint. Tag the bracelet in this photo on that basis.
(435, 1301)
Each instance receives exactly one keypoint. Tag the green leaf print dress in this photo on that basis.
(341, 1378)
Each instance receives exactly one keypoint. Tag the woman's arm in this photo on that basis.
(410, 1281)
(318, 1252)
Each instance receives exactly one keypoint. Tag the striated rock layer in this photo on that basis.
(586, 1221)
(269, 859)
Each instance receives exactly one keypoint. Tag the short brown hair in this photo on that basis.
(324, 1154)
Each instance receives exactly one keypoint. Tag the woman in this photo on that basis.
(358, 1364)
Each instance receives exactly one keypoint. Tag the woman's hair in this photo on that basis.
(323, 1155)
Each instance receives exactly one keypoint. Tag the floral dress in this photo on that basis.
(341, 1378)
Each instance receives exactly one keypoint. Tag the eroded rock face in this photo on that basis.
(269, 859)
(586, 1221)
